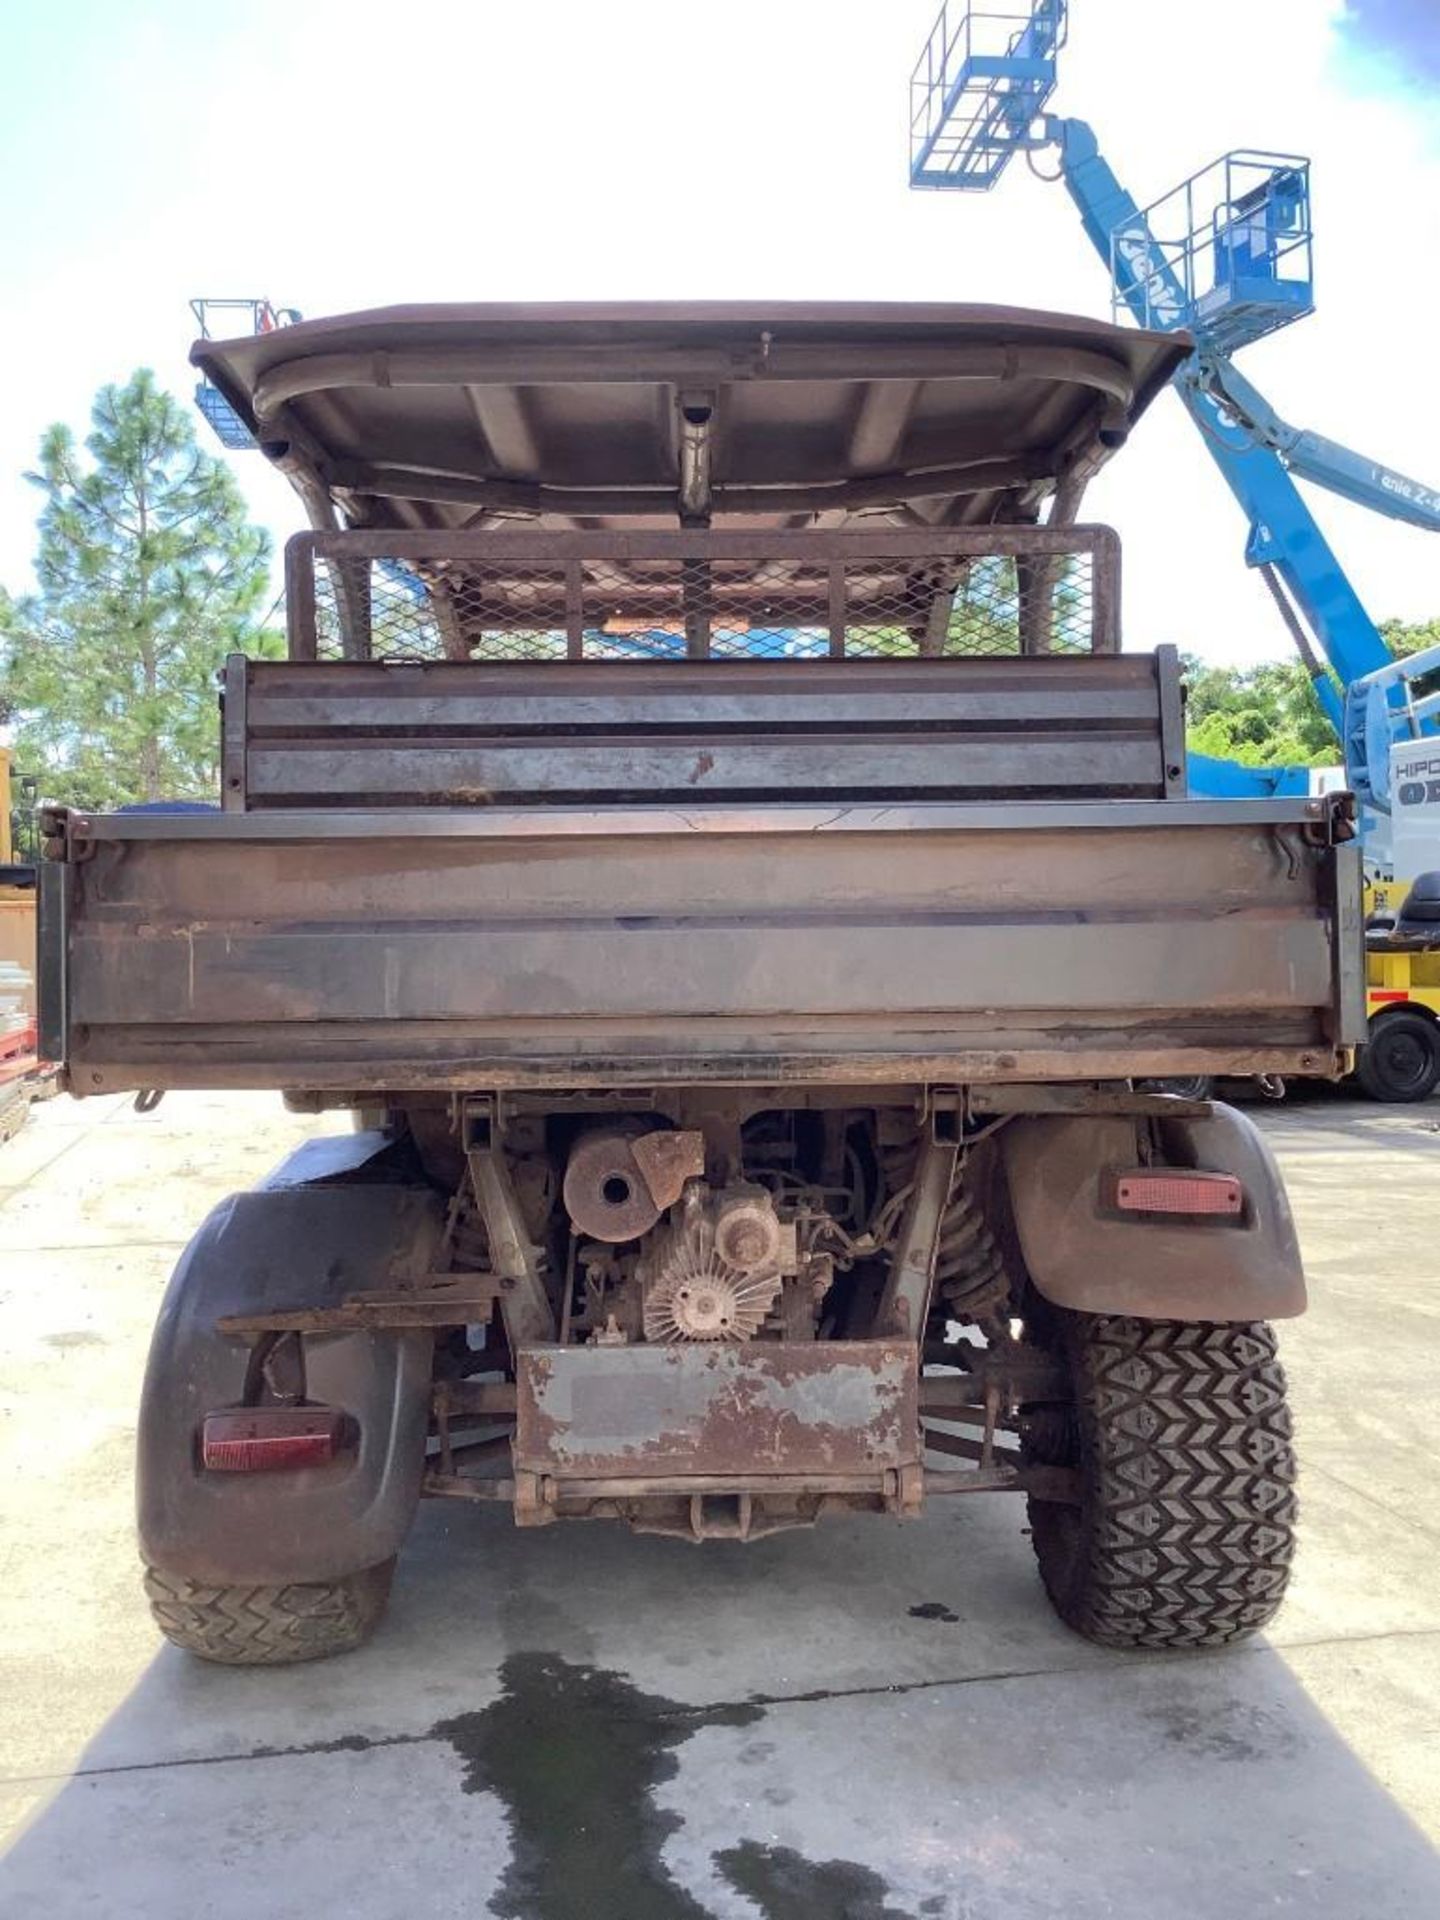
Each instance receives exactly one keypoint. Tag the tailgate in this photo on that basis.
(578, 946)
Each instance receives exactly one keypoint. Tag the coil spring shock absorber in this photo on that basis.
(970, 1275)
(469, 1244)
(969, 1267)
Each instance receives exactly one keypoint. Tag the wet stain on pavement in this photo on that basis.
(576, 1753)
(1225, 1730)
(787, 1886)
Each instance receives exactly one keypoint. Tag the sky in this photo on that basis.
(339, 154)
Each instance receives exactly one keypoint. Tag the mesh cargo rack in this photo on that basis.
(648, 595)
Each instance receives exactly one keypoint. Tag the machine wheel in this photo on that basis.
(1191, 1086)
(1180, 1434)
(269, 1626)
(1401, 1059)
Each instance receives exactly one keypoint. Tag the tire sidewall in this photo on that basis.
(1374, 1074)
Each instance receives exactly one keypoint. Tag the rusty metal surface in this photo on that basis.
(834, 1493)
(525, 1305)
(905, 1301)
(777, 944)
(767, 1408)
(668, 1159)
(431, 415)
(435, 734)
(953, 698)
(606, 1190)
(739, 598)
(449, 1300)
(460, 1398)
(1084, 1255)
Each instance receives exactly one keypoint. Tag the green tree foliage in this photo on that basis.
(148, 576)
(982, 612)
(1269, 715)
(1262, 716)
(1405, 638)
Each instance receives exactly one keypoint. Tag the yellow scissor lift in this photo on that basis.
(1401, 1060)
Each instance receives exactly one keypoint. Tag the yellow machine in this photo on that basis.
(20, 1071)
(1401, 1059)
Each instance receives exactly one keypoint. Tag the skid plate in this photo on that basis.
(825, 1408)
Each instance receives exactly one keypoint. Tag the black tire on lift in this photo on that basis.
(1401, 1059)
(269, 1626)
(1180, 1434)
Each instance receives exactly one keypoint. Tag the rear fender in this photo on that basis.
(290, 1245)
(1084, 1255)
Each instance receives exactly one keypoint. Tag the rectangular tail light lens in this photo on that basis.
(1178, 1190)
(262, 1439)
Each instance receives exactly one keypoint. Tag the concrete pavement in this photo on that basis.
(867, 1720)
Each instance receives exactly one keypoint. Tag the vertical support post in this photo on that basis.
(454, 641)
(1172, 722)
(933, 636)
(352, 601)
(574, 611)
(905, 1301)
(837, 610)
(303, 643)
(56, 881)
(234, 731)
(1348, 944)
(695, 601)
(1104, 589)
(524, 1304)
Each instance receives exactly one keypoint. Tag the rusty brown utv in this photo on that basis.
(707, 829)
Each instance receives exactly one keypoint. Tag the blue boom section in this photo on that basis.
(1226, 256)
(1283, 532)
(1354, 476)
(980, 82)
(1359, 685)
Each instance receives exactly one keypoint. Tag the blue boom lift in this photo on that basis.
(234, 316)
(1227, 257)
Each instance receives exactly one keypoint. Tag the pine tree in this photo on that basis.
(148, 575)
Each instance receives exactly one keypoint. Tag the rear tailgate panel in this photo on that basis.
(562, 946)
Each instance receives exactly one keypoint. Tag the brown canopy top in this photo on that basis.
(783, 414)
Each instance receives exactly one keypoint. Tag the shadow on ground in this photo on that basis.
(866, 1722)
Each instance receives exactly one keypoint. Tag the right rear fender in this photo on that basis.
(1083, 1254)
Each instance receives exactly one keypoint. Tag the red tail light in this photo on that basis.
(1178, 1190)
(260, 1439)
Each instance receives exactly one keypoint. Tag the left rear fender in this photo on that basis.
(282, 1247)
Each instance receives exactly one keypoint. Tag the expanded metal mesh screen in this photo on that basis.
(663, 606)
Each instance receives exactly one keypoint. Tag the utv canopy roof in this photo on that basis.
(741, 415)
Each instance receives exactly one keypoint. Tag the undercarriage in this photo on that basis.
(753, 1291)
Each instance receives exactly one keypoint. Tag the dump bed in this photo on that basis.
(576, 946)
(693, 696)
(573, 871)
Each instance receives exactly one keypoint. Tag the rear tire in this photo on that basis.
(1401, 1060)
(1180, 1435)
(269, 1626)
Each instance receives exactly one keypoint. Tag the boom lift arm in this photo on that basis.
(1325, 463)
(1227, 257)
